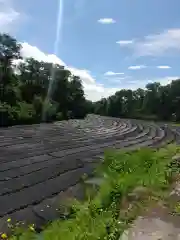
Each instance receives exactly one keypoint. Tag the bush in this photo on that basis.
(8, 115)
(59, 116)
(26, 113)
(4, 114)
(49, 111)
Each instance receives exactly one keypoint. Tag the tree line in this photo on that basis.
(155, 102)
(34, 91)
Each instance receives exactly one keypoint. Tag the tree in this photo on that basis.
(31, 89)
(77, 100)
(9, 51)
(155, 102)
(60, 90)
(34, 79)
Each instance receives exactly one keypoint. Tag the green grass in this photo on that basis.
(107, 212)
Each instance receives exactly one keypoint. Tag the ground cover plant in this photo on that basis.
(132, 181)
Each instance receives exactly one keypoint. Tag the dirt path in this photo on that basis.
(160, 222)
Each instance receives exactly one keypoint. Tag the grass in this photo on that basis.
(132, 182)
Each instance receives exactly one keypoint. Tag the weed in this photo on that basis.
(131, 181)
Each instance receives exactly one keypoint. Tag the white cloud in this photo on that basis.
(32, 51)
(93, 90)
(110, 73)
(136, 67)
(141, 83)
(106, 20)
(84, 74)
(163, 67)
(97, 91)
(8, 15)
(125, 42)
(157, 44)
(164, 80)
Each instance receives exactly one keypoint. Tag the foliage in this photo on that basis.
(156, 102)
(33, 91)
(25, 112)
(102, 216)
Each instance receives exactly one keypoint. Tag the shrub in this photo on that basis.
(49, 111)
(26, 113)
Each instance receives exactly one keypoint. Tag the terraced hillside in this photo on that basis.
(41, 163)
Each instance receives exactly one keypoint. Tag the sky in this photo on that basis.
(110, 44)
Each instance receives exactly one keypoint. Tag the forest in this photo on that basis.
(33, 92)
(155, 102)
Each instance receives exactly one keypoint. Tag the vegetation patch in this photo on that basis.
(132, 181)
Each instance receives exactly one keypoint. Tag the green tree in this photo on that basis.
(9, 52)
(77, 100)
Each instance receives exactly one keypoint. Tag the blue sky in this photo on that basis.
(110, 44)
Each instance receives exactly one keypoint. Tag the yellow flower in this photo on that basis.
(4, 236)
(9, 220)
(31, 227)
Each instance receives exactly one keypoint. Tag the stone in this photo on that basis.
(95, 181)
(138, 193)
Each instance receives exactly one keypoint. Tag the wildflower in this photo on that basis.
(9, 220)
(3, 236)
